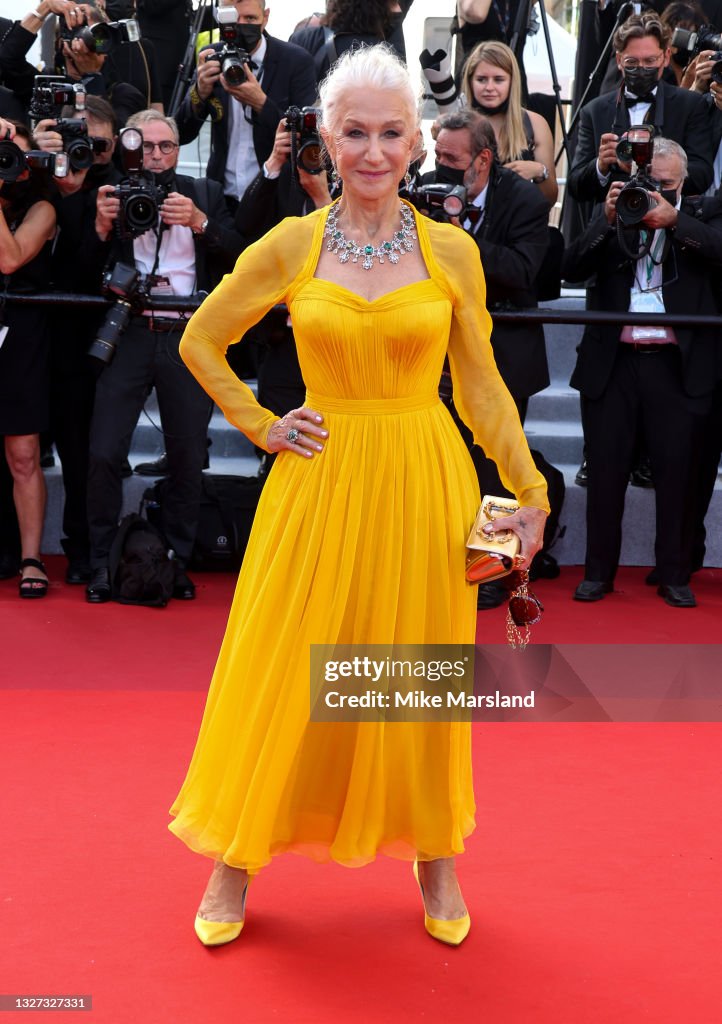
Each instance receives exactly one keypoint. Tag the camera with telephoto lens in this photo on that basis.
(441, 201)
(634, 201)
(53, 92)
(140, 197)
(12, 161)
(232, 57)
(130, 289)
(307, 151)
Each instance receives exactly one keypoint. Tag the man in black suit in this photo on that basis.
(193, 243)
(642, 51)
(657, 379)
(509, 224)
(508, 221)
(245, 117)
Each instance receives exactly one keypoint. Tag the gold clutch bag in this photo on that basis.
(489, 557)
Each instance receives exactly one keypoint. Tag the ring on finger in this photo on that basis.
(293, 435)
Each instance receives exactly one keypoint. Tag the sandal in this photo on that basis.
(33, 586)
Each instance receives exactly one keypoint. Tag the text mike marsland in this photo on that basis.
(422, 699)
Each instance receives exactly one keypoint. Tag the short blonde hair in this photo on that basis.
(368, 67)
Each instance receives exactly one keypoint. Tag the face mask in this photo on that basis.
(449, 175)
(250, 36)
(395, 21)
(488, 111)
(164, 177)
(641, 81)
(670, 194)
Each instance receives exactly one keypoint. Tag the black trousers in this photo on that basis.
(145, 359)
(72, 393)
(645, 391)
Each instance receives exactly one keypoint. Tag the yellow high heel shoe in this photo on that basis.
(451, 932)
(217, 933)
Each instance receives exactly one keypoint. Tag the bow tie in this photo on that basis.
(634, 101)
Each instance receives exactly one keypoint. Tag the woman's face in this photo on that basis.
(490, 84)
(371, 141)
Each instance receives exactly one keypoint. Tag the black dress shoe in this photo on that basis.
(157, 468)
(582, 477)
(677, 596)
(184, 589)
(98, 589)
(592, 590)
(491, 595)
(641, 475)
(78, 570)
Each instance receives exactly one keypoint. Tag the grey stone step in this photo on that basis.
(561, 442)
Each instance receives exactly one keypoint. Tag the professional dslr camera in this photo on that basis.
(74, 133)
(140, 198)
(440, 201)
(232, 57)
(705, 38)
(14, 161)
(634, 201)
(131, 289)
(307, 150)
(53, 92)
(103, 36)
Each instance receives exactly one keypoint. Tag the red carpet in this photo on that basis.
(592, 880)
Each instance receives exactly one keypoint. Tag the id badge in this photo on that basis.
(647, 302)
(3, 333)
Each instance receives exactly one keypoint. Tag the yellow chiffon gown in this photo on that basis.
(364, 543)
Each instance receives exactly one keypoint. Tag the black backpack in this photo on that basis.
(140, 570)
(228, 505)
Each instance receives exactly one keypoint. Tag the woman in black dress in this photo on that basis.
(27, 223)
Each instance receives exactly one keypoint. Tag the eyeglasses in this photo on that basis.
(99, 145)
(631, 64)
(165, 147)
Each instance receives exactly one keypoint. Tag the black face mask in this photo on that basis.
(250, 36)
(449, 175)
(489, 111)
(641, 81)
(166, 178)
(670, 194)
(395, 22)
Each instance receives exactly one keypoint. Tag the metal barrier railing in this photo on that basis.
(542, 315)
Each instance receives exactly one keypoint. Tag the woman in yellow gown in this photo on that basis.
(360, 532)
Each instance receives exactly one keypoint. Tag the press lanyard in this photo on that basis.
(651, 262)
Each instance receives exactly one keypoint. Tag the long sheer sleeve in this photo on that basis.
(480, 395)
(261, 279)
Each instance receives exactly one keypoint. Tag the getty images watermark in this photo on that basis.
(402, 682)
(494, 683)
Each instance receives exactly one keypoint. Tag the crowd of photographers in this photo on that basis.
(92, 203)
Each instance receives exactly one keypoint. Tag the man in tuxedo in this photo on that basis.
(659, 379)
(507, 218)
(642, 51)
(245, 117)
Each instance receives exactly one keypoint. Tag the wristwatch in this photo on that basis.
(540, 177)
(201, 230)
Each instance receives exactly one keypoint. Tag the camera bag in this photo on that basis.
(228, 505)
(141, 571)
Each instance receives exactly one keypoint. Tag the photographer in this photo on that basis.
(642, 51)
(507, 218)
(17, 73)
(658, 379)
(191, 243)
(245, 116)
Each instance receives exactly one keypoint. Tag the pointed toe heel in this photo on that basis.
(452, 932)
(218, 933)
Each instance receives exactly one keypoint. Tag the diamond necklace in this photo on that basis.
(401, 242)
